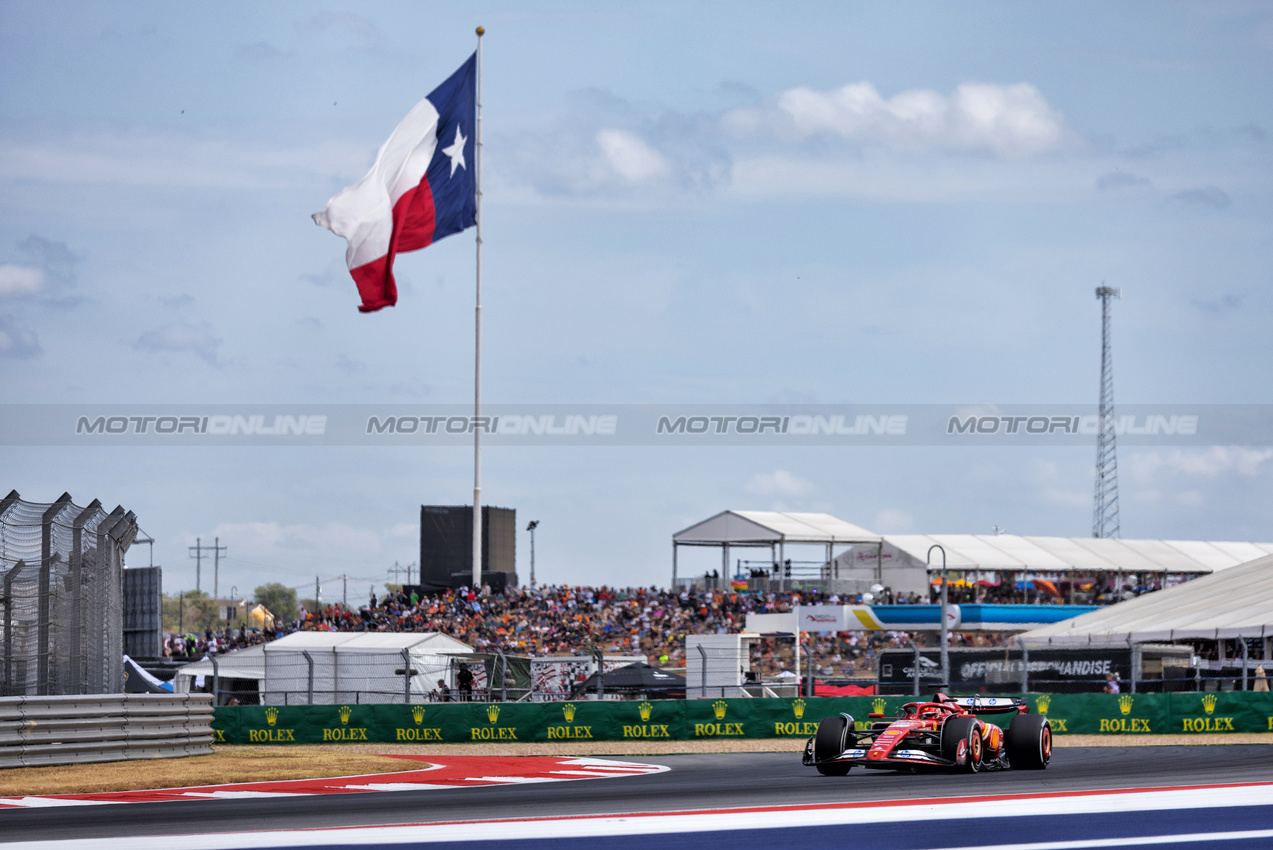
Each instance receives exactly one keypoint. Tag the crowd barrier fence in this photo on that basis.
(107, 727)
(615, 720)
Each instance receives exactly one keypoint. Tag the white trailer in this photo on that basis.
(718, 665)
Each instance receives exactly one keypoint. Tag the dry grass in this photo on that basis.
(567, 749)
(226, 765)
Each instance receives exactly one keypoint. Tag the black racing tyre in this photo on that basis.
(832, 738)
(958, 729)
(1028, 742)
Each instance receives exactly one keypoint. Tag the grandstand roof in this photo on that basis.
(1068, 554)
(1237, 602)
(761, 528)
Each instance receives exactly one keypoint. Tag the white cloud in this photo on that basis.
(18, 280)
(630, 157)
(197, 339)
(778, 483)
(1208, 463)
(17, 341)
(1007, 120)
(409, 530)
(1209, 197)
(151, 158)
(332, 540)
(893, 521)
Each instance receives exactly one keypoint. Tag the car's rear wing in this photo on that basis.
(990, 705)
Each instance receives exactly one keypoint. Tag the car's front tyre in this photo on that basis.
(834, 736)
(1028, 742)
(962, 730)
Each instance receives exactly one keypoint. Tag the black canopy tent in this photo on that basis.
(634, 681)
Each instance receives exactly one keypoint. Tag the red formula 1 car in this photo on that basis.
(940, 733)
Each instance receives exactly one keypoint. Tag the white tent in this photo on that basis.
(1011, 552)
(773, 530)
(358, 666)
(1234, 603)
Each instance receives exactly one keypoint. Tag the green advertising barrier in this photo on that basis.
(699, 719)
(1156, 714)
(582, 720)
(1236, 711)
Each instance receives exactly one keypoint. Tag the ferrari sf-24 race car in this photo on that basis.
(944, 732)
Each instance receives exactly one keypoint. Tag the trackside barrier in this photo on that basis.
(698, 719)
(107, 727)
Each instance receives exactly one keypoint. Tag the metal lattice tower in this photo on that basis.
(1105, 512)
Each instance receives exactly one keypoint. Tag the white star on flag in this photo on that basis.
(456, 151)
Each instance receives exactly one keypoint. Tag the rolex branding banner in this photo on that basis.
(582, 720)
(697, 719)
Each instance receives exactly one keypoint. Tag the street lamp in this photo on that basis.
(534, 523)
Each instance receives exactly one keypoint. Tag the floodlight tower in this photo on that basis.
(1105, 512)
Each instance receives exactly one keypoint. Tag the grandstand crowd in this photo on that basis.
(565, 619)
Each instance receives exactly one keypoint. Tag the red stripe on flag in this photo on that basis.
(413, 225)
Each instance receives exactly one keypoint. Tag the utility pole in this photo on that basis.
(344, 592)
(318, 595)
(197, 548)
(1105, 509)
(216, 549)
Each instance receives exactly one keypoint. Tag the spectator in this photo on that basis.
(464, 683)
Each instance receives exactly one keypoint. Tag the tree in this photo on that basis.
(279, 600)
(191, 612)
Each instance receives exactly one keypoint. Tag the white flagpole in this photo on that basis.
(477, 360)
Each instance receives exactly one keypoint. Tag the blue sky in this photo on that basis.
(690, 203)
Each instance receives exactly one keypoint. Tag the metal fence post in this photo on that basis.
(1025, 666)
(1134, 652)
(216, 679)
(601, 671)
(1242, 640)
(703, 682)
(6, 687)
(915, 670)
(808, 685)
(503, 679)
(406, 676)
(309, 659)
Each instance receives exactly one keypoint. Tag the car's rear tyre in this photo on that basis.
(1028, 742)
(962, 729)
(833, 737)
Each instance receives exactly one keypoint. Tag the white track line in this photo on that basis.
(725, 820)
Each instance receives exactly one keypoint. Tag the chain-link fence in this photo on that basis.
(61, 576)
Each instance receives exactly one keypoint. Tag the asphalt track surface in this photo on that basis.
(694, 782)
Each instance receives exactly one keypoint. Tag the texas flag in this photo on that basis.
(423, 187)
